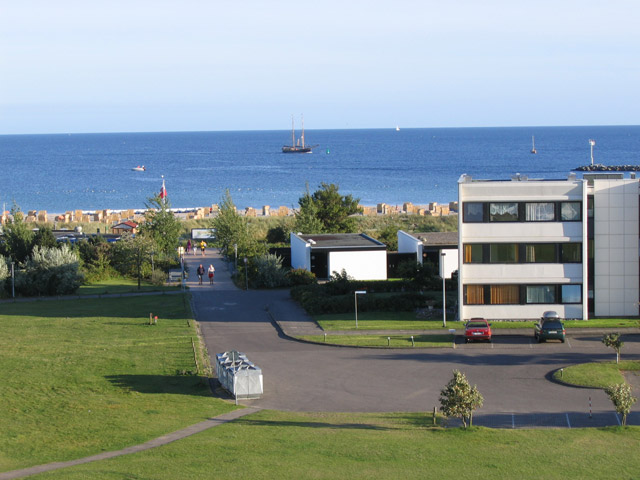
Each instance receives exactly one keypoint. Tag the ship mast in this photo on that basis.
(293, 133)
(302, 117)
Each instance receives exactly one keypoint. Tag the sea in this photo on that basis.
(89, 172)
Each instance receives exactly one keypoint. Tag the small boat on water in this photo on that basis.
(397, 128)
(139, 168)
(299, 146)
(533, 145)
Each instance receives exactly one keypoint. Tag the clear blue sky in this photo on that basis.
(155, 65)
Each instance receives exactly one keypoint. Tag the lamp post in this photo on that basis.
(235, 249)
(444, 296)
(592, 143)
(13, 281)
(355, 298)
(246, 274)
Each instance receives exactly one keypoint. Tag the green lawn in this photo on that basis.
(286, 445)
(82, 376)
(408, 321)
(122, 285)
(393, 341)
(597, 375)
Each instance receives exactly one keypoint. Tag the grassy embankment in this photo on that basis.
(122, 285)
(287, 445)
(596, 375)
(83, 376)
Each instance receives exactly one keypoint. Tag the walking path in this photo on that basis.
(156, 442)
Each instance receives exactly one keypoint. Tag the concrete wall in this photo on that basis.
(300, 253)
(361, 265)
(616, 247)
(407, 243)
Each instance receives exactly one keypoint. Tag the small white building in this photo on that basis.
(531, 245)
(362, 257)
(430, 247)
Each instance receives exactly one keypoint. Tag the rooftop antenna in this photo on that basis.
(592, 143)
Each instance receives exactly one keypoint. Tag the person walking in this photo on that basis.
(212, 270)
(200, 273)
(188, 246)
(203, 245)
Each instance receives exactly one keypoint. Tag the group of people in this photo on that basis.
(200, 271)
(191, 248)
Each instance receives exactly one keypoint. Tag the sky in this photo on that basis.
(207, 65)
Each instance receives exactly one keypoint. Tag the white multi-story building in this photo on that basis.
(526, 246)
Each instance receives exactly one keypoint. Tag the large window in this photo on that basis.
(570, 253)
(473, 253)
(541, 294)
(474, 294)
(473, 212)
(505, 295)
(503, 253)
(571, 293)
(540, 212)
(570, 211)
(503, 212)
(541, 253)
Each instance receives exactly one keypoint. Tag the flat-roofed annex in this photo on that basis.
(342, 240)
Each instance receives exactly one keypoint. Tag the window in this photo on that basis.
(571, 293)
(473, 212)
(571, 253)
(503, 212)
(541, 294)
(473, 253)
(570, 211)
(503, 253)
(474, 294)
(505, 294)
(541, 253)
(540, 212)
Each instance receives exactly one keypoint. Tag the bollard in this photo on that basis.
(435, 410)
(388, 341)
(561, 372)
(412, 342)
(590, 413)
(155, 320)
(325, 338)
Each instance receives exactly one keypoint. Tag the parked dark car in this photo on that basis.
(550, 327)
(477, 329)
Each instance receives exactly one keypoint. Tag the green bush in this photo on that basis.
(301, 276)
(158, 278)
(50, 271)
(268, 272)
(4, 274)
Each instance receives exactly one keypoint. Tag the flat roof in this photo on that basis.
(342, 240)
(437, 238)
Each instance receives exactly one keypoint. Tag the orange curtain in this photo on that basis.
(475, 295)
(504, 294)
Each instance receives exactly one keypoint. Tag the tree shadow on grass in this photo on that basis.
(171, 384)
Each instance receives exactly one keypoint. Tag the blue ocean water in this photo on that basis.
(93, 171)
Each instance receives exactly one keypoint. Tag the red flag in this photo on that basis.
(163, 190)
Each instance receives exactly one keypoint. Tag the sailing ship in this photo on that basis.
(533, 145)
(299, 146)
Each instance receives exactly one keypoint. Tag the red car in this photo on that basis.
(477, 329)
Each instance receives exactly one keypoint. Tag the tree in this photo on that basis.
(44, 237)
(18, 237)
(613, 340)
(459, 399)
(389, 236)
(620, 396)
(4, 273)
(161, 225)
(327, 210)
(132, 256)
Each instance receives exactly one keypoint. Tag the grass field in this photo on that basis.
(122, 285)
(392, 341)
(408, 321)
(597, 375)
(287, 445)
(82, 376)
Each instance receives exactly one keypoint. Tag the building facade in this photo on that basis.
(530, 245)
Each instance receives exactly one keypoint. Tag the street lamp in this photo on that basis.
(355, 298)
(246, 274)
(444, 297)
(235, 249)
(13, 281)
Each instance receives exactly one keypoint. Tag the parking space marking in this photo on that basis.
(568, 342)
(568, 422)
(513, 421)
(617, 418)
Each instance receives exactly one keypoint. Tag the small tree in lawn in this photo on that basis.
(613, 340)
(459, 399)
(620, 396)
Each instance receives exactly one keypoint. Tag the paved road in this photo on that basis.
(512, 373)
